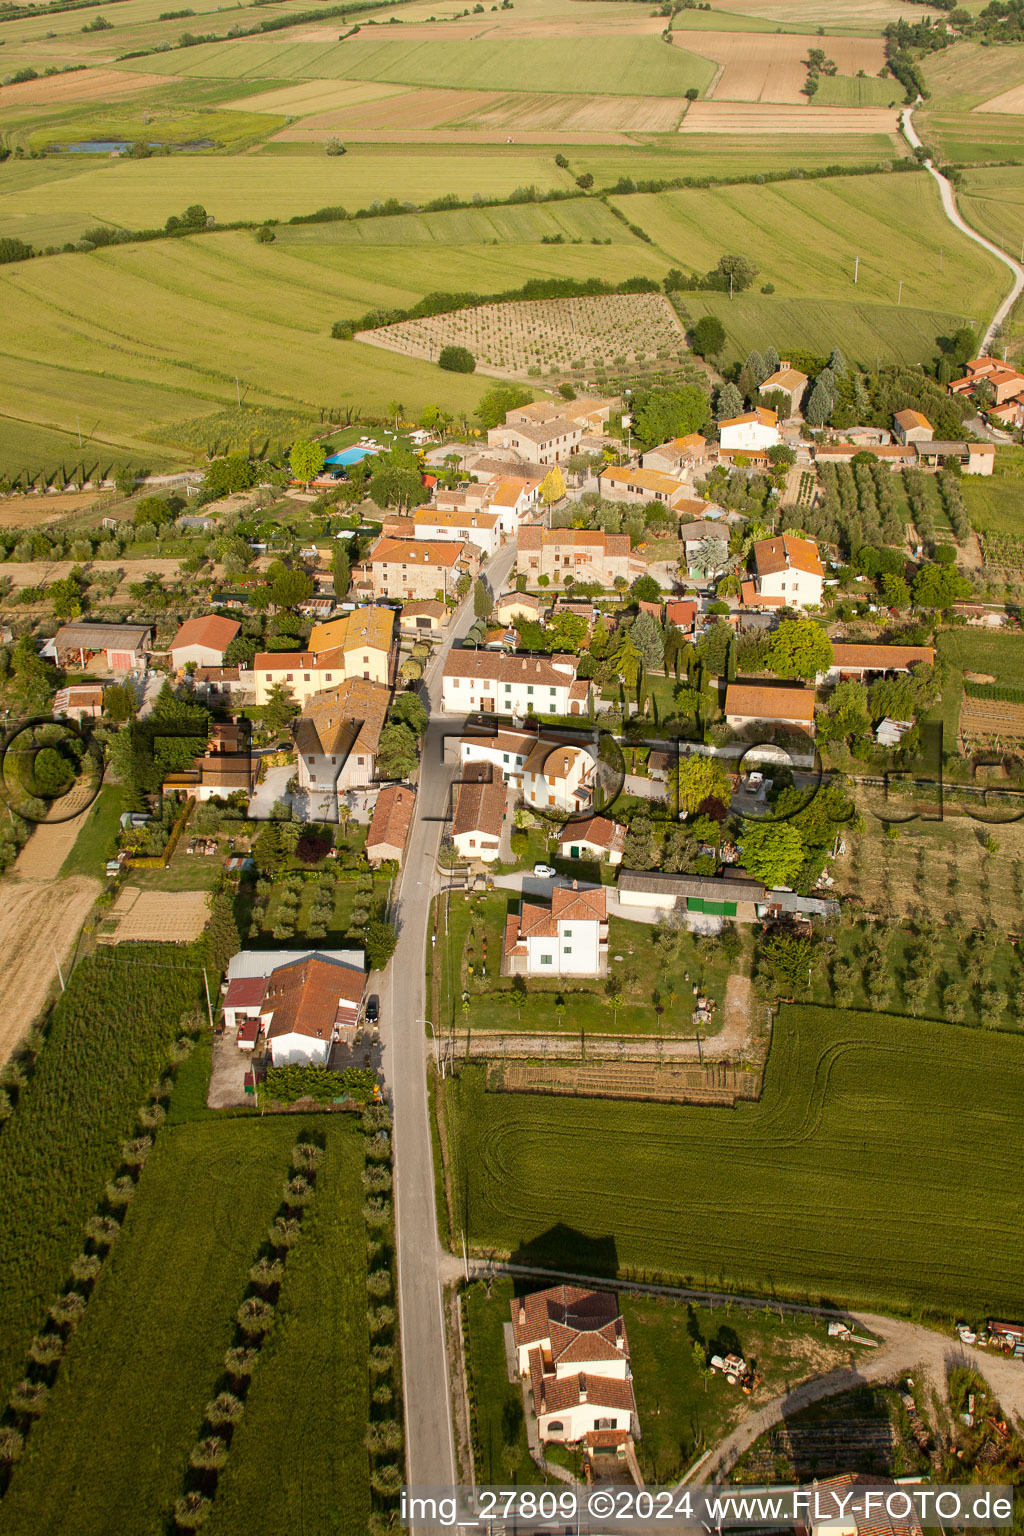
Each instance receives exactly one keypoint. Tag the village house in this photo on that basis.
(893, 455)
(418, 567)
(226, 768)
(569, 937)
(547, 442)
(864, 663)
(572, 1354)
(512, 685)
(219, 684)
(361, 644)
(337, 736)
(202, 642)
(754, 430)
(912, 427)
(594, 837)
(858, 1517)
(974, 458)
(479, 814)
(589, 413)
(678, 457)
(506, 751)
(558, 777)
(477, 528)
(786, 381)
(307, 1006)
(769, 704)
(519, 605)
(682, 612)
(694, 536)
(1006, 382)
(390, 823)
(787, 574)
(508, 497)
(80, 701)
(641, 485)
(86, 645)
(585, 554)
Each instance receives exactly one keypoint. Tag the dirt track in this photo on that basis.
(40, 919)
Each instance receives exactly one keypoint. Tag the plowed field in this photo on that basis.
(765, 120)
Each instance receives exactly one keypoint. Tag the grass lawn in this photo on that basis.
(476, 928)
(110, 1452)
(850, 1157)
(497, 1404)
(300, 1445)
(996, 652)
(97, 840)
(995, 503)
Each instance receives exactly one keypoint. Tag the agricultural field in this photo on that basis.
(995, 503)
(621, 66)
(992, 198)
(551, 334)
(857, 91)
(772, 69)
(757, 118)
(969, 76)
(849, 1157)
(966, 136)
(113, 1444)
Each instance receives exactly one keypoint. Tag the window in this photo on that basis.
(604, 1423)
(312, 778)
(289, 677)
(330, 677)
(472, 842)
(360, 761)
(305, 677)
(566, 932)
(529, 688)
(552, 692)
(547, 959)
(334, 760)
(508, 687)
(504, 757)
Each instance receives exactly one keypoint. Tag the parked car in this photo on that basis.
(545, 871)
(372, 1009)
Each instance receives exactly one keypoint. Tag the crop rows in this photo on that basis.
(849, 1159)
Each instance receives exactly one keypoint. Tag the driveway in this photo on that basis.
(273, 788)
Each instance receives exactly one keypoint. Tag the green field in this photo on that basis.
(617, 66)
(111, 1451)
(969, 74)
(966, 136)
(850, 1159)
(993, 201)
(975, 650)
(995, 502)
(95, 843)
(857, 91)
(300, 1446)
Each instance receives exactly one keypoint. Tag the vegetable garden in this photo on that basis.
(850, 1158)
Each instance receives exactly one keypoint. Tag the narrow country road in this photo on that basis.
(955, 217)
(430, 1451)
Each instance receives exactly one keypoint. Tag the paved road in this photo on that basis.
(430, 1453)
(954, 216)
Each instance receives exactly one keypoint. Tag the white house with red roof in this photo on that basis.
(490, 682)
(573, 1356)
(303, 1002)
(569, 937)
(753, 431)
(787, 574)
(203, 641)
(596, 837)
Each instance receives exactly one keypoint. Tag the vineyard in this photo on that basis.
(987, 719)
(1003, 552)
(107, 1041)
(849, 1157)
(594, 335)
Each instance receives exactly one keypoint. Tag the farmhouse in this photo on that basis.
(362, 644)
(1007, 383)
(478, 528)
(786, 381)
(306, 1006)
(769, 704)
(591, 414)
(418, 567)
(122, 647)
(864, 663)
(679, 457)
(787, 574)
(390, 823)
(202, 642)
(912, 427)
(975, 458)
(641, 485)
(337, 735)
(593, 838)
(893, 455)
(573, 1357)
(582, 553)
(567, 938)
(757, 429)
(81, 701)
(512, 685)
(426, 617)
(548, 442)
(733, 894)
(519, 605)
(479, 813)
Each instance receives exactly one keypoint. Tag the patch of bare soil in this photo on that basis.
(39, 921)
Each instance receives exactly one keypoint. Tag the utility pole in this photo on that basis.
(78, 421)
(238, 391)
(209, 1006)
(856, 268)
(60, 973)
(899, 295)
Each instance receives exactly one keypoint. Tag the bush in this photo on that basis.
(457, 360)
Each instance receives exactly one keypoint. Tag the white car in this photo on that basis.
(544, 871)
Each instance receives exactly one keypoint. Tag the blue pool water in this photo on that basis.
(350, 456)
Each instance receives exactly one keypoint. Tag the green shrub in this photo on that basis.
(457, 360)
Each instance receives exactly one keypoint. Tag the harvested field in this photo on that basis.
(765, 120)
(770, 68)
(166, 916)
(400, 112)
(81, 85)
(33, 511)
(1011, 101)
(495, 113)
(551, 333)
(522, 112)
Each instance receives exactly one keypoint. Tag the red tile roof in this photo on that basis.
(392, 817)
(882, 657)
(784, 553)
(309, 996)
(480, 803)
(767, 702)
(445, 552)
(213, 631)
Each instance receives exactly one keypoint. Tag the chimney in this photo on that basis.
(575, 885)
(522, 1313)
(583, 1388)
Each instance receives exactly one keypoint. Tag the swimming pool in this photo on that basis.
(350, 456)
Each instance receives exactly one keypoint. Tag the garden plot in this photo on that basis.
(170, 916)
(549, 334)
